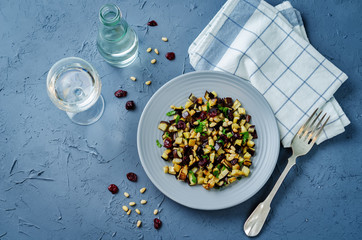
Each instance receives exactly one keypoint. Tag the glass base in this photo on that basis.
(89, 116)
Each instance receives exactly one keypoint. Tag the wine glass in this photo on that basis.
(74, 86)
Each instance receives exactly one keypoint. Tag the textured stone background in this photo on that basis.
(54, 174)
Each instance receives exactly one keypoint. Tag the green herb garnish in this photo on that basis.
(224, 131)
(158, 144)
(245, 136)
(205, 156)
(200, 127)
(220, 141)
(177, 119)
(171, 113)
(208, 106)
(193, 177)
(229, 135)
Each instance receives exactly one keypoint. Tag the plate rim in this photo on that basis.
(149, 175)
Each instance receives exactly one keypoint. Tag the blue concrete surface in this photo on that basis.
(54, 174)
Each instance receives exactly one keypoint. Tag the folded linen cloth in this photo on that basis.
(269, 47)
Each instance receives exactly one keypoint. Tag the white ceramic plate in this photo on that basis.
(176, 92)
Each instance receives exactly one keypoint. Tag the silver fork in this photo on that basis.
(302, 142)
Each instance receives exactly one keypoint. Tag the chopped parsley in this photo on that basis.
(158, 144)
(245, 136)
(171, 113)
(229, 135)
(177, 119)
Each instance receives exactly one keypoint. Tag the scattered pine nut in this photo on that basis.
(126, 194)
(132, 203)
(139, 223)
(164, 39)
(149, 49)
(155, 212)
(148, 82)
(153, 61)
(129, 212)
(133, 78)
(156, 51)
(138, 211)
(143, 201)
(125, 208)
(142, 190)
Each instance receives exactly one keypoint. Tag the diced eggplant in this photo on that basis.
(228, 101)
(165, 154)
(185, 114)
(247, 118)
(192, 178)
(192, 98)
(245, 171)
(207, 95)
(183, 173)
(236, 104)
(163, 126)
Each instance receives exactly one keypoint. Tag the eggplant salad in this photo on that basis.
(209, 142)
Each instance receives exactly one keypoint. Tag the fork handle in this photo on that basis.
(256, 220)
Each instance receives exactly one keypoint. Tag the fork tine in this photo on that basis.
(309, 126)
(319, 132)
(312, 132)
(302, 128)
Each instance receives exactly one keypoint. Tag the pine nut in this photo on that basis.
(125, 208)
(153, 61)
(126, 194)
(138, 211)
(155, 212)
(156, 51)
(143, 201)
(142, 190)
(132, 203)
(133, 78)
(164, 39)
(129, 212)
(149, 49)
(139, 223)
(148, 82)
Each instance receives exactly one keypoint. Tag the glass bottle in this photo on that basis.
(116, 42)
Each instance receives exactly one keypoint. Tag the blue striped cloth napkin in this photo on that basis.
(269, 47)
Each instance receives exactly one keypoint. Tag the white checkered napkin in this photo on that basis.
(269, 47)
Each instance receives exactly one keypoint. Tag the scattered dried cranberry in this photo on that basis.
(167, 143)
(120, 93)
(170, 56)
(234, 161)
(132, 177)
(152, 23)
(130, 105)
(181, 125)
(203, 115)
(157, 223)
(213, 112)
(113, 188)
(203, 162)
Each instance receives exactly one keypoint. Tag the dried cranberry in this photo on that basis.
(152, 23)
(157, 223)
(247, 118)
(185, 160)
(203, 115)
(230, 115)
(181, 125)
(132, 177)
(120, 93)
(167, 143)
(213, 112)
(254, 134)
(113, 188)
(130, 105)
(203, 162)
(170, 56)
(234, 161)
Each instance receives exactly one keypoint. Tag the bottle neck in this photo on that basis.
(110, 15)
